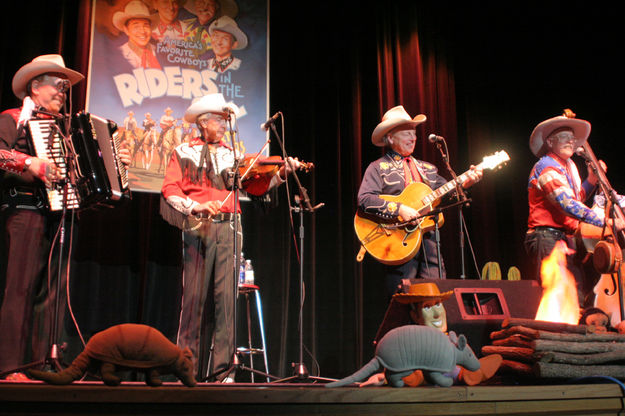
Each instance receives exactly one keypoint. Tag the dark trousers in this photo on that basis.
(28, 303)
(539, 244)
(422, 266)
(208, 296)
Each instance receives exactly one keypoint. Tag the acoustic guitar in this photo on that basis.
(395, 243)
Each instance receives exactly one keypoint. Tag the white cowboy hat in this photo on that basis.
(394, 117)
(43, 64)
(135, 9)
(581, 131)
(228, 25)
(210, 103)
(226, 8)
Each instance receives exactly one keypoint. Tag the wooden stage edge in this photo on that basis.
(93, 398)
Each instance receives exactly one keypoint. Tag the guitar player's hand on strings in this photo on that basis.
(407, 213)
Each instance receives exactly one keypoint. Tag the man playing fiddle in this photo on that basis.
(195, 185)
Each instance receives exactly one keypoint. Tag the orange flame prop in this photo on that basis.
(559, 301)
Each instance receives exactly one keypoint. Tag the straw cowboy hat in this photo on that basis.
(422, 292)
(581, 131)
(228, 25)
(226, 8)
(42, 65)
(135, 9)
(394, 117)
(211, 103)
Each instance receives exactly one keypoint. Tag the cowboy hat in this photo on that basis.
(210, 103)
(135, 9)
(43, 64)
(228, 25)
(226, 8)
(394, 117)
(581, 131)
(422, 292)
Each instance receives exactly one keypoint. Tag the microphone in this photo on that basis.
(269, 122)
(581, 152)
(433, 138)
(227, 110)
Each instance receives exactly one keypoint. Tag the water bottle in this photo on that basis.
(242, 270)
(249, 272)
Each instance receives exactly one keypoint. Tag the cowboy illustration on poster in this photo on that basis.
(156, 57)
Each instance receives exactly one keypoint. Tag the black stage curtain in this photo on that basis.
(484, 75)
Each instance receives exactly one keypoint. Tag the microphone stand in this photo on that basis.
(463, 200)
(300, 372)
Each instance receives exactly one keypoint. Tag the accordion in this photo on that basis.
(95, 174)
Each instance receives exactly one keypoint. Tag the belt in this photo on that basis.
(549, 229)
(224, 216)
(21, 197)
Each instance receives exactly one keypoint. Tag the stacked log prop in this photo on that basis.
(555, 350)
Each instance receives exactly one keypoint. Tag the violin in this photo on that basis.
(255, 179)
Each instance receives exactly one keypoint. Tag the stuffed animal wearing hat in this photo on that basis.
(416, 347)
(122, 347)
(422, 303)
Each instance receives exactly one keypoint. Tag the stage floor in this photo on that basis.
(94, 398)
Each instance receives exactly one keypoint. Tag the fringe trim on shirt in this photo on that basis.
(172, 215)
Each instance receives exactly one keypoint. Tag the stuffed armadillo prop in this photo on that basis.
(416, 347)
(127, 346)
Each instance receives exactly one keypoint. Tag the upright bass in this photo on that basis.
(607, 252)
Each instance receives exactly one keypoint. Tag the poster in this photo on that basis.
(150, 59)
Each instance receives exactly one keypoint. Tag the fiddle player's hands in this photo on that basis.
(474, 176)
(208, 208)
(592, 176)
(288, 167)
(46, 172)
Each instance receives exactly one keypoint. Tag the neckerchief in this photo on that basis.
(222, 65)
(162, 27)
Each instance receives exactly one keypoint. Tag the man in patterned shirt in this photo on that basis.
(389, 175)
(556, 192)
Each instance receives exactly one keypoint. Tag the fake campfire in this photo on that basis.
(554, 345)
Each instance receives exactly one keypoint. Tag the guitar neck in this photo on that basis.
(443, 190)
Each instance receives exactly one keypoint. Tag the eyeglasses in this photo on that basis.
(60, 84)
(211, 116)
(564, 138)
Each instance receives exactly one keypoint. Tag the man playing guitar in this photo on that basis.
(390, 175)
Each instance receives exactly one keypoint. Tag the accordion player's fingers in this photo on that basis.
(39, 169)
(124, 156)
(51, 174)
